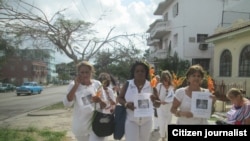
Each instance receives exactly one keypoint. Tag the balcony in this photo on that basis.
(152, 42)
(159, 28)
(160, 54)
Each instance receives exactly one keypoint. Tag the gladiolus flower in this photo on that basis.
(153, 82)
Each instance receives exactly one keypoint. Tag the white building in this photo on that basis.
(183, 27)
(51, 65)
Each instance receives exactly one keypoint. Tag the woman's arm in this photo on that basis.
(121, 97)
(155, 98)
(246, 121)
(174, 109)
(71, 94)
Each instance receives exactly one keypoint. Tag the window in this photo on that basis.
(165, 17)
(166, 44)
(191, 39)
(244, 62)
(203, 62)
(25, 68)
(226, 63)
(201, 38)
(175, 10)
(160, 44)
(169, 46)
(12, 68)
(175, 40)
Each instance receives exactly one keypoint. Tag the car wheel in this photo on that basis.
(18, 94)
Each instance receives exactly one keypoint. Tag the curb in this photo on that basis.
(46, 112)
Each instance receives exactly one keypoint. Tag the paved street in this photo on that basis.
(155, 135)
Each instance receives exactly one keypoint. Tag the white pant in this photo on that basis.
(164, 119)
(135, 132)
(91, 137)
(156, 123)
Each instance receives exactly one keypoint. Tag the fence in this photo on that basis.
(221, 89)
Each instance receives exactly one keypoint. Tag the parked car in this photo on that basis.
(2, 88)
(29, 88)
(6, 87)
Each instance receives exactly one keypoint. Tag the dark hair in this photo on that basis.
(142, 63)
(113, 80)
(195, 68)
(104, 77)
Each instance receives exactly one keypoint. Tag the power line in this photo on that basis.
(100, 4)
(87, 12)
(78, 9)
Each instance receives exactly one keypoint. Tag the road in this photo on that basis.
(12, 105)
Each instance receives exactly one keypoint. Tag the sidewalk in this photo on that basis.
(155, 135)
(60, 120)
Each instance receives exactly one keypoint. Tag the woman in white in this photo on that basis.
(137, 128)
(82, 94)
(165, 91)
(181, 106)
(105, 79)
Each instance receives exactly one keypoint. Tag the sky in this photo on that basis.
(127, 16)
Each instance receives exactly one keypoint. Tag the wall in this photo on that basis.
(235, 44)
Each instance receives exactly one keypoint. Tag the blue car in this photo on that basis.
(29, 88)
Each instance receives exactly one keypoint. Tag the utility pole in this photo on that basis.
(222, 17)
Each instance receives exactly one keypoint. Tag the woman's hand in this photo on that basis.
(213, 98)
(247, 121)
(155, 100)
(78, 80)
(186, 114)
(96, 99)
(164, 102)
(130, 105)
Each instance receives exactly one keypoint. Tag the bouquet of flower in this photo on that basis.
(180, 81)
(153, 82)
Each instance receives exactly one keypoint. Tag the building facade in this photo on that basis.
(232, 55)
(17, 70)
(183, 27)
(30, 65)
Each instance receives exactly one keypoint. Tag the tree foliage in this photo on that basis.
(117, 61)
(174, 64)
(6, 50)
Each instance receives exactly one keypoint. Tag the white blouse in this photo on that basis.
(185, 100)
(131, 92)
(83, 107)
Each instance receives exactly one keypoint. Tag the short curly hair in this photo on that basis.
(87, 64)
(137, 63)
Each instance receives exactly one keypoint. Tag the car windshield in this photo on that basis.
(27, 84)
